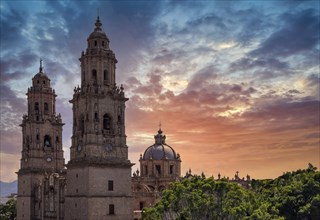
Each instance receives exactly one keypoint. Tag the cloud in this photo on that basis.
(234, 85)
(298, 34)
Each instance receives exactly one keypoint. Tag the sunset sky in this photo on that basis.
(235, 84)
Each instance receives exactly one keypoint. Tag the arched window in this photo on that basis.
(46, 107)
(94, 74)
(95, 43)
(81, 124)
(106, 122)
(105, 75)
(47, 141)
(36, 106)
(96, 116)
(103, 43)
(158, 169)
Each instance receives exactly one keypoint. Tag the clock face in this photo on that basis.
(49, 159)
(109, 147)
(79, 147)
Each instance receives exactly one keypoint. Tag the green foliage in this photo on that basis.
(8, 211)
(294, 195)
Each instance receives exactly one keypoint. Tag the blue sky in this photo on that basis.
(235, 83)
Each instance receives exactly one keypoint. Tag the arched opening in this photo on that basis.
(106, 76)
(103, 43)
(46, 107)
(36, 106)
(171, 169)
(47, 141)
(94, 75)
(96, 116)
(95, 43)
(106, 122)
(81, 125)
(158, 169)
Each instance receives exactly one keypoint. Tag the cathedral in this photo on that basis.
(97, 182)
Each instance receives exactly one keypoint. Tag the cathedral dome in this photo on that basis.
(98, 32)
(160, 150)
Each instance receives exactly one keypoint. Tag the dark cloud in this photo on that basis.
(298, 34)
(12, 23)
(202, 78)
(282, 115)
(12, 66)
(263, 68)
(153, 87)
(313, 80)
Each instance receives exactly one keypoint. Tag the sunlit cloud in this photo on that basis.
(235, 86)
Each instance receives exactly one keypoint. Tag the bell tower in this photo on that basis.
(98, 154)
(42, 154)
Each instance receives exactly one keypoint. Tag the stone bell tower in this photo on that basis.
(99, 172)
(42, 155)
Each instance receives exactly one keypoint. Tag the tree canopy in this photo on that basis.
(8, 210)
(294, 195)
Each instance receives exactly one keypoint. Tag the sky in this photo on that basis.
(235, 84)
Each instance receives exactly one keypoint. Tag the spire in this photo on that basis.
(40, 68)
(160, 131)
(98, 24)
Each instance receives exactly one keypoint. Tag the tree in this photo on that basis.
(8, 211)
(294, 195)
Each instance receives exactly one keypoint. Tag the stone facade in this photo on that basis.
(98, 154)
(96, 183)
(159, 166)
(41, 178)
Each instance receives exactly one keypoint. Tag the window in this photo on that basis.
(46, 107)
(146, 170)
(119, 119)
(103, 43)
(38, 137)
(158, 169)
(141, 205)
(110, 185)
(83, 75)
(111, 209)
(44, 82)
(47, 141)
(105, 75)
(57, 139)
(106, 122)
(81, 123)
(171, 169)
(36, 106)
(96, 116)
(95, 43)
(94, 74)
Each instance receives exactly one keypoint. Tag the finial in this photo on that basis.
(159, 125)
(40, 68)
(98, 24)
